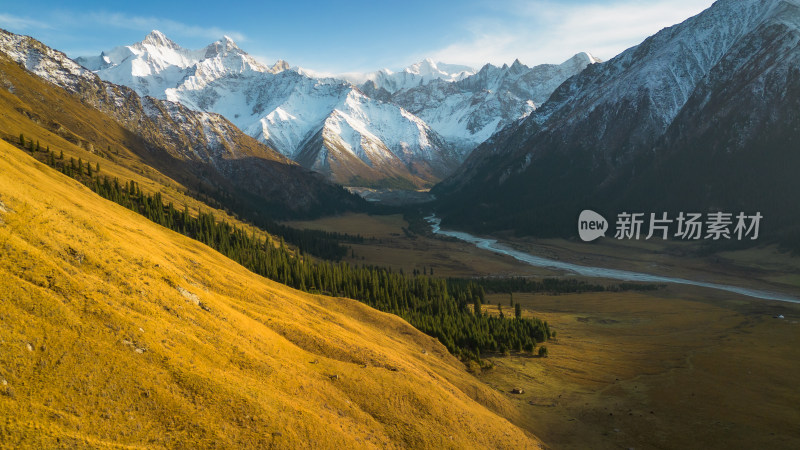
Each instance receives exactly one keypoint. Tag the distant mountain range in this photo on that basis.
(703, 116)
(404, 129)
(203, 151)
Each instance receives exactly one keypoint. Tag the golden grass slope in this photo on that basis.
(49, 115)
(117, 333)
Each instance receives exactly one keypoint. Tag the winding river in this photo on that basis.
(598, 272)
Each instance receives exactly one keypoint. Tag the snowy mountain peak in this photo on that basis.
(425, 67)
(429, 69)
(517, 68)
(591, 58)
(279, 66)
(222, 47)
(158, 39)
(414, 124)
(412, 76)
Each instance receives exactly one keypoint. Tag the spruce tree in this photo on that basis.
(517, 311)
(89, 168)
(22, 139)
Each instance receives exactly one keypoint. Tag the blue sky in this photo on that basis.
(356, 35)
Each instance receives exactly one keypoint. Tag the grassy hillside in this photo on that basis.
(119, 333)
(48, 114)
(55, 119)
(214, 161)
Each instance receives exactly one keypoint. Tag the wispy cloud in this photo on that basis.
(71, 26)
(21, 23)
(167, 26)
(550, 32)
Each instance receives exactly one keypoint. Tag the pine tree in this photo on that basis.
(22, 139)
(517, 311)
(80, 166)
(89, 168)
(61, 155)
(97, 167)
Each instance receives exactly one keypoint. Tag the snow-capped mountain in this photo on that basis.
(194, 147)
(701, 116)
(358, 127)
(285, 109)
(412, 76)
(157, 64)
(411, 127)
(467, 112)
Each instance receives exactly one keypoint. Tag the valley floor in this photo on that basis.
(681, 367)
(671, 369)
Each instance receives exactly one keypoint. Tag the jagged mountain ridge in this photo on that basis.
(469, 111)
(355, 135)
(285, 109)
(603, 138)
(203, 150)
(415, 75)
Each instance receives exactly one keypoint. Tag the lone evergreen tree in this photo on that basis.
(517, 311)
(22, 139)
(61, 155)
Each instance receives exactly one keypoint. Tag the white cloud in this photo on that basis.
(551, 32)
(73, 25)
(16, 23)
(167, 26)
